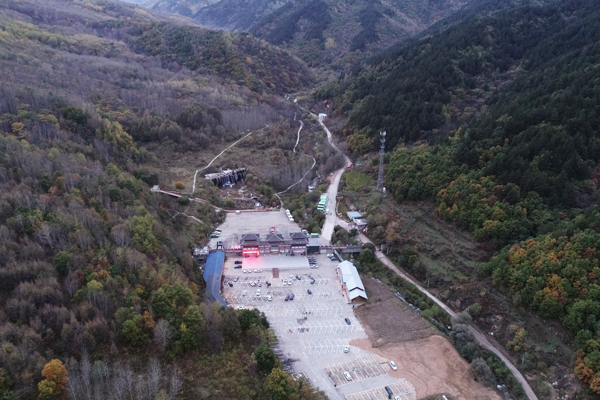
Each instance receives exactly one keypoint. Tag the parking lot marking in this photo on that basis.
(401, 388)
(359, 369)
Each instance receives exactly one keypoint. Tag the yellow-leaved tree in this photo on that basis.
(56, 379)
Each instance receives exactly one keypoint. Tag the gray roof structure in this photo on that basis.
(353, 214)
(352, 280)
(213, 270)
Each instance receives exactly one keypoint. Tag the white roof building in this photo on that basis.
(352, 282)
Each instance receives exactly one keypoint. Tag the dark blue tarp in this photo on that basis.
(213, 269)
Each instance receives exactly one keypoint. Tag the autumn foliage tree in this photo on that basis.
(56, 379)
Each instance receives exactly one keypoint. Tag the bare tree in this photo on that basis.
(120, 235)
(129, 381)
(176, 382)
(86, 369)
(72, 283)
(141, 388)
(84, 239)
(162, 334)
(155, 373)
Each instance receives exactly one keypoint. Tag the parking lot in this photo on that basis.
(358, 369)
(312, 327)
(402, 389)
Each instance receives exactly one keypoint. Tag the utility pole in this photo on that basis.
(381, 155)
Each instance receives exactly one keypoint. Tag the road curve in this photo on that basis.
(298, 138)
(327, 232)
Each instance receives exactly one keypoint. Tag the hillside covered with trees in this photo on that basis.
(99, 295)
(324, 33)
(521, 172)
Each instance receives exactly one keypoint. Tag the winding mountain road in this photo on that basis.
(221, 153)
(327, 231)
(304, 176)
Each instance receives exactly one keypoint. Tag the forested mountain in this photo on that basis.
(438, 83)
(322, 32)
(342, 32)
(237, 15)
(99, 295)
(186, 8)
(518, 91)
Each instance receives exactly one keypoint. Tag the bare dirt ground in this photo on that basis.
(426, 359)
(432, 366)
(376, 317)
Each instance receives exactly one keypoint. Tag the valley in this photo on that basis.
(163, 164)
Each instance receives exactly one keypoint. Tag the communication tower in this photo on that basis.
(381, 155)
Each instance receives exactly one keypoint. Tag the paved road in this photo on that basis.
(331, 219)
(327, 231)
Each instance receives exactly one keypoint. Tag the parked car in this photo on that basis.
(347, 321)
(309, 291)
(298, 277)
(389, 392)
(347, 376)
(269, 298)
(287, 297)
(393, 365)
(272, 228)
(238, 262)
(237, 266)
(252, 284)
(312, 282)
(291, 296)
(314, 266)
(237, 278)
(245, 271)
(258, 270)
(346, 349)
(230, 284)
(241, 307)
(245, 292)
(258, 292)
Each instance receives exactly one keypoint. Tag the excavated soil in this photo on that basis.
(426, 359)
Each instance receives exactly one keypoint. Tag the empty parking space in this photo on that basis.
(359, 369)
(317, 327)
(402, 389)
(323, 346)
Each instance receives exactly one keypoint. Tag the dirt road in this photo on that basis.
(481, 339)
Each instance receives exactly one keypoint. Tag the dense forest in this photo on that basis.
(99, 294)
(522, 175)
(324, 33)
(436, 84)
